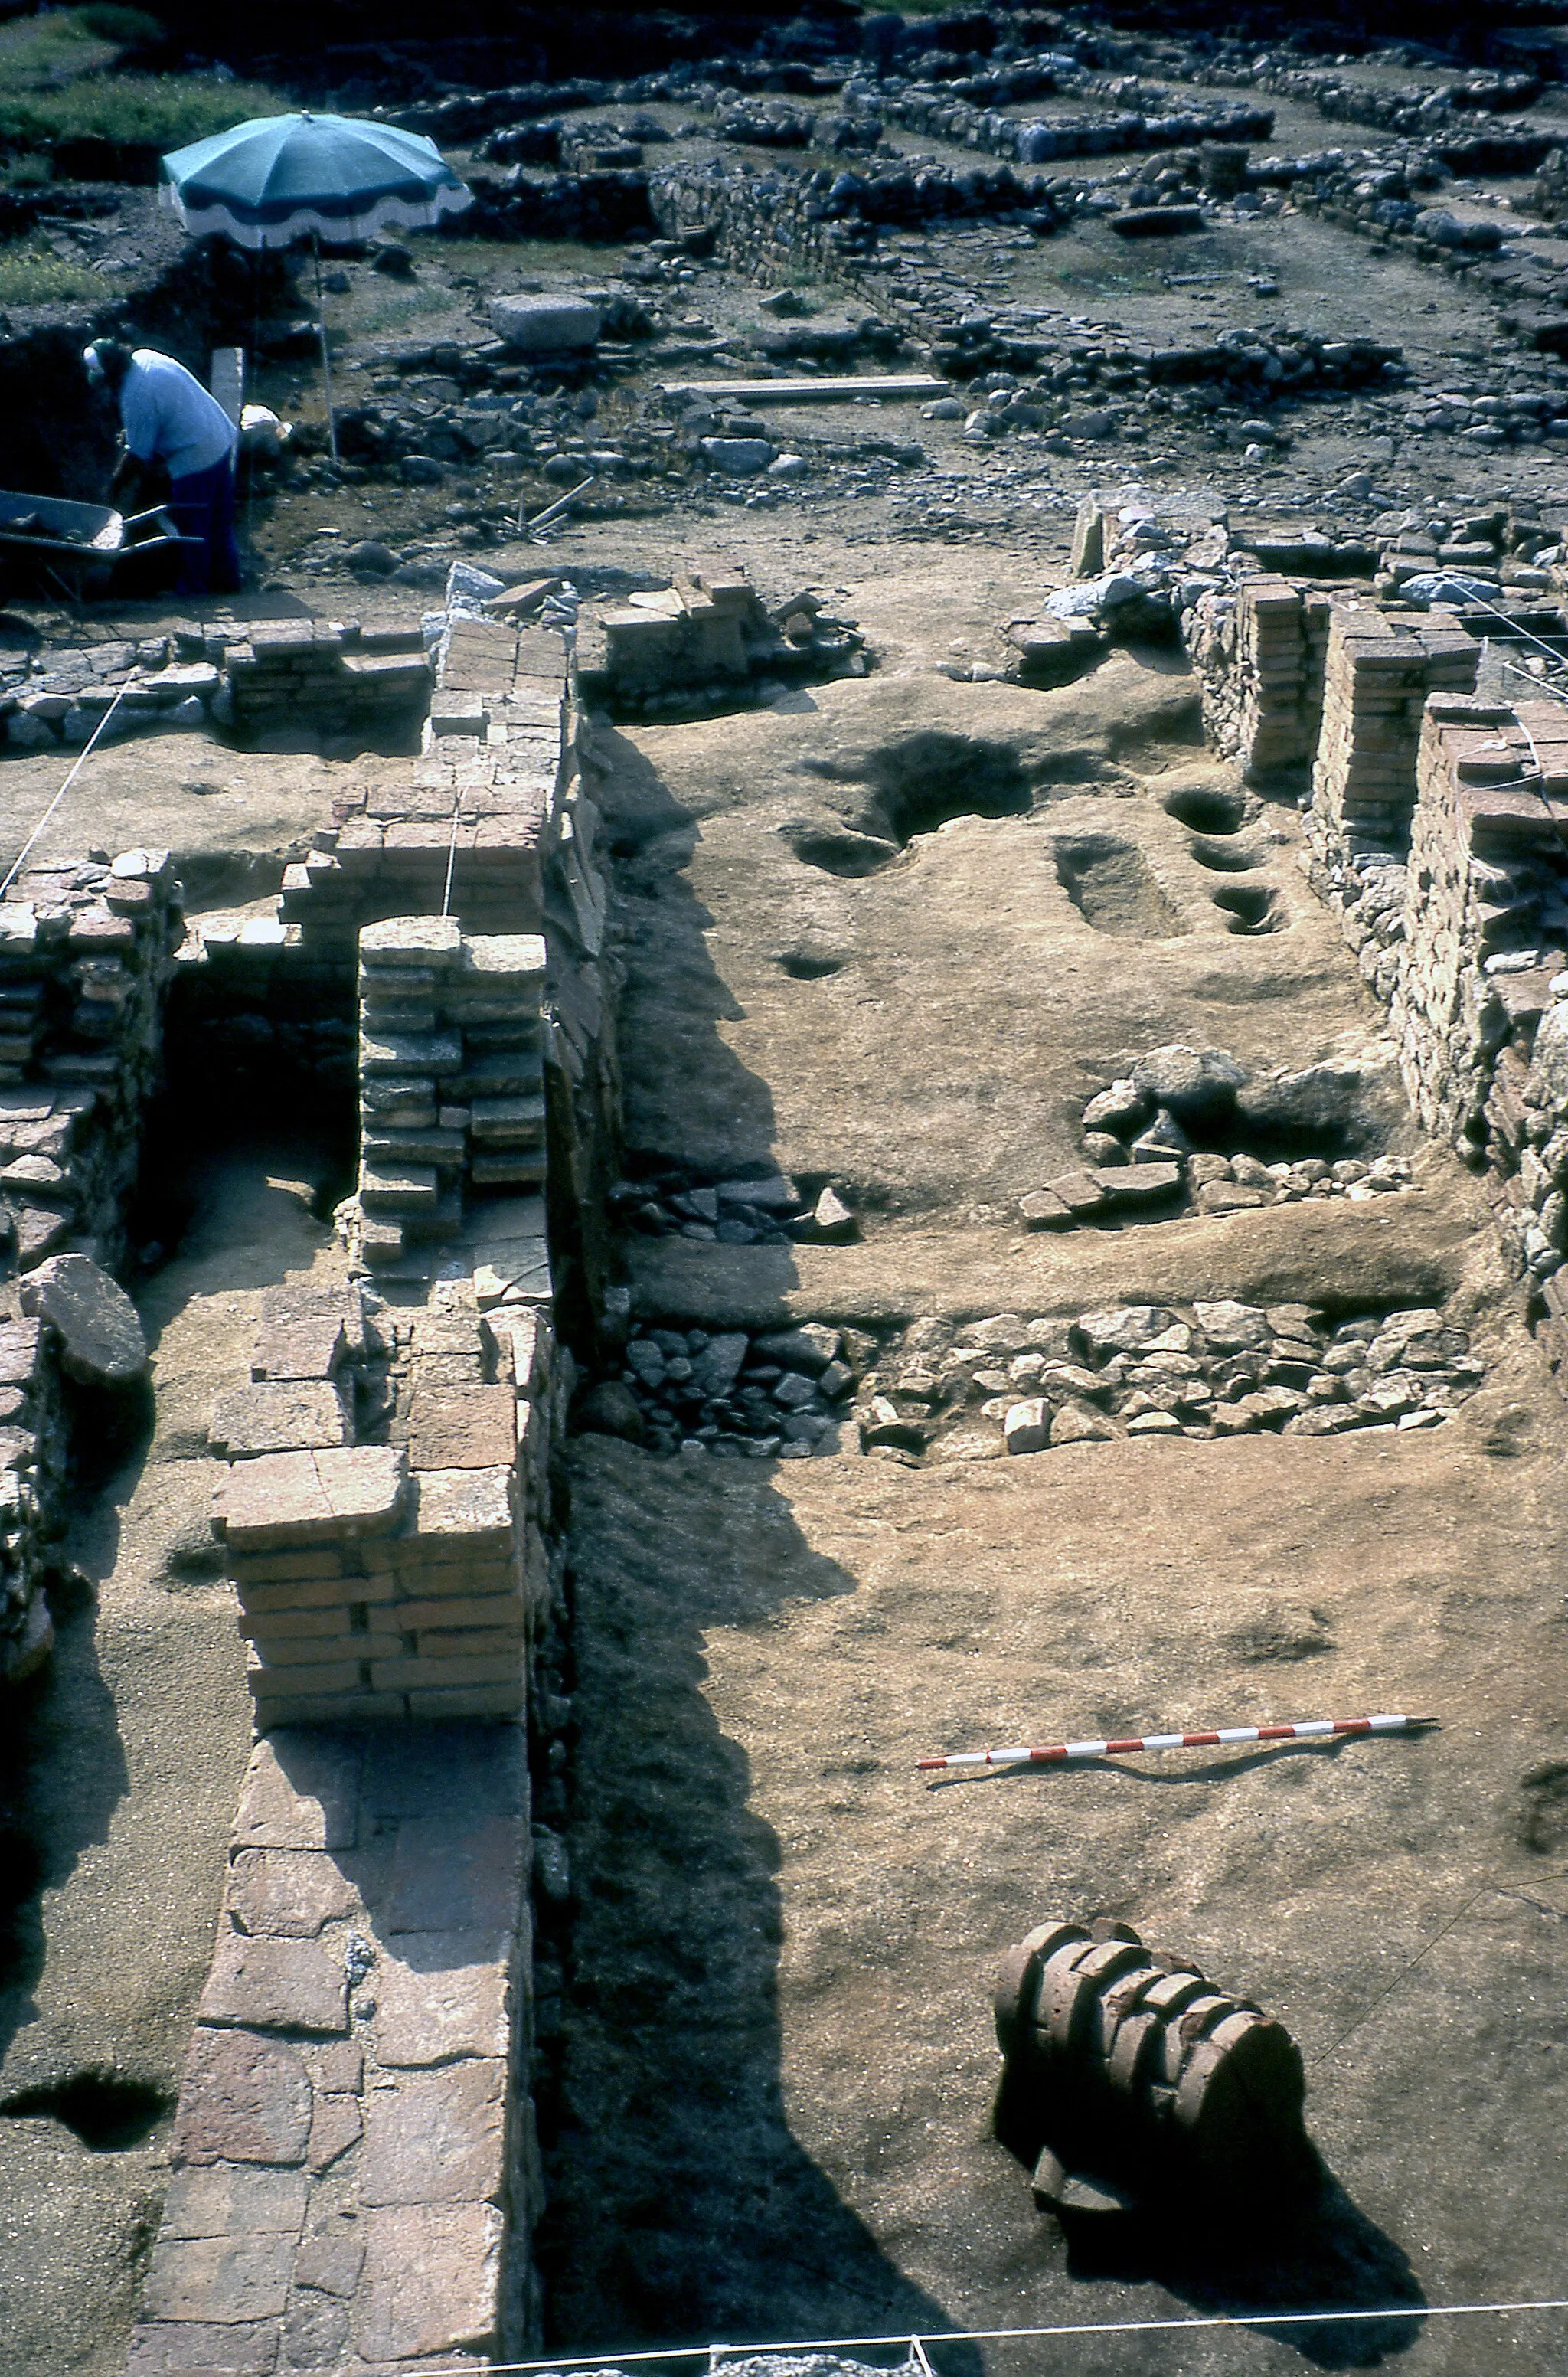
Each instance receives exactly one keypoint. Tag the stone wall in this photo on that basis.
(85, 955)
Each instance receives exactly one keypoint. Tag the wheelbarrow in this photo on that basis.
(78, 550)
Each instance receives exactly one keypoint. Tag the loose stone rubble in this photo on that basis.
(1016, 1384)
(778, 1394)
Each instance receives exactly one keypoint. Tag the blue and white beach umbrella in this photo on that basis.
(280, 178)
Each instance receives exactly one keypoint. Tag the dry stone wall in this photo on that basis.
(86, 956)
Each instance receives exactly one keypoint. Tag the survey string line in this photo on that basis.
(917, 2342)
(82, 758)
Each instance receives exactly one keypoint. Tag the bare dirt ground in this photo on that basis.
(776, 2112)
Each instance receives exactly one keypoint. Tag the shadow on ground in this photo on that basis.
(682, 2207)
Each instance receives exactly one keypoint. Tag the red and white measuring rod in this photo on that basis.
(1054, 1753)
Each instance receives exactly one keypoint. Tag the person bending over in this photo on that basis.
(168, 417)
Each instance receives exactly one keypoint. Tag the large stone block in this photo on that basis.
(101, 1336)
(447, 1879)
(224, 2199)
(430, 2283)
(300, 1792)
(271, 1983)
(290, 1498)
(227, 2279)
(462, 1428)
(286, 1893)
(441, 1995)
(544, 326)
(279, 1416)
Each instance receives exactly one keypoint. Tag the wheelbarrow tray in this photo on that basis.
(60, 526)
(68, 543)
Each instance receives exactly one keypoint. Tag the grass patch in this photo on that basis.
(396, 313)
(165, 111)
(31, 275)
(42, 52)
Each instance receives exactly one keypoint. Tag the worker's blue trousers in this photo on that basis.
(203, 505)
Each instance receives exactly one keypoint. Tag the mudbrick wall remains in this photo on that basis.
(1437, 828)
(356, 2173)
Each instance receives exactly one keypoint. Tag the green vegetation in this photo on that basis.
(167, 111)
(37, 52)
(34, 275)
(58, 82)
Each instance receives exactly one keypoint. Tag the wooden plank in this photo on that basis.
(811, 391)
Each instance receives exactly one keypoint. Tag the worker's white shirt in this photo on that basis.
(170, 418)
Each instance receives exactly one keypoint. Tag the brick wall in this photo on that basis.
(1377, 676)
(355, 2176)
(333, 679)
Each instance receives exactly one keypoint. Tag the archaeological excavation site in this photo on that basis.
(784, 1191)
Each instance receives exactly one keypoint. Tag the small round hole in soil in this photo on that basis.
(802, 965)
(1208, 808)
(1250, 908)
(107, 2112)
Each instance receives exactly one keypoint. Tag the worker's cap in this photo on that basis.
(93, 361)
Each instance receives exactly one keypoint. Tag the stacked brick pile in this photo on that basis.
(709, 626)
(303, 670)
(482, 801)
(382, 1506)
(354, 2169)
(1376, 679)
(1259, 657)
(451, 1076)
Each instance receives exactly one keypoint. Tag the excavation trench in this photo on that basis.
(121, 1773)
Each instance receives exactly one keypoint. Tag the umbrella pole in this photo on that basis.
(325, 358)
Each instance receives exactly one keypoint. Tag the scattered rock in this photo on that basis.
(101, 1341)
